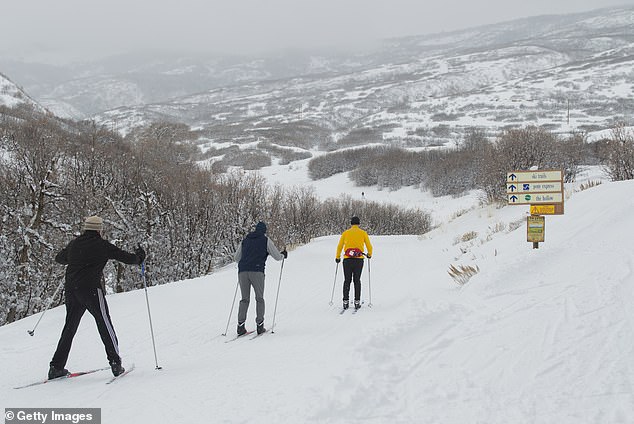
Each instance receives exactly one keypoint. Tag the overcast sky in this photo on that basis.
(67, 28)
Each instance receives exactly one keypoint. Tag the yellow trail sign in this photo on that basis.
(554, 209)
(535, 229)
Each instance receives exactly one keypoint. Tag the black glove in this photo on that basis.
(337, 260)
(140, 254)
(284, 253)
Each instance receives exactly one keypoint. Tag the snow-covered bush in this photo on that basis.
(617, 154)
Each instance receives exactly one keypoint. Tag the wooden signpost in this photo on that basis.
(543, 191)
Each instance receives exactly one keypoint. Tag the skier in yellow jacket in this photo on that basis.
(353, 241)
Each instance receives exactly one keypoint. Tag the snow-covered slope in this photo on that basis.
(537, 336)
(570, 73)
(566, 72)
(11, 95)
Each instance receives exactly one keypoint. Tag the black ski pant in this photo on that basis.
(352, 268)
(78, 300)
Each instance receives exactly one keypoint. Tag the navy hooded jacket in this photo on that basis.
(254, 249)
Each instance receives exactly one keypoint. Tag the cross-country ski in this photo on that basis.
(128, 370)
(65, 377)
(255, 336)
(241, 336)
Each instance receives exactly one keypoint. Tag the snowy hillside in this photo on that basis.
(564, 72)
(537, 336)
(11, 95)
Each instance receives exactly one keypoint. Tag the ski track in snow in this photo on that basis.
(537, 336)
(451, 386)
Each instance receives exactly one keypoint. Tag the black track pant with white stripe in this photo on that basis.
(78, 300)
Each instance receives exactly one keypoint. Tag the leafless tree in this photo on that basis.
(617, 154)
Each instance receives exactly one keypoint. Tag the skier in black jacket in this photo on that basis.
(85, 257)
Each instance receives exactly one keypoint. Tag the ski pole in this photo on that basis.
(332, 296)
(369, 285)
(279, 282)
(147, 301)
(50, 301)
(232, 303)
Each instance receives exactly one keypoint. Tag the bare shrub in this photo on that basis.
(458, 213)
(589, 184)
(617, 154)
(347, 160)
(246, 159)
(515, 149)
(569, 154)
(496, 228)
(359, 136)
(286, 155)
(393, 168)
(461, 274)
(468, 236)
(514, 225)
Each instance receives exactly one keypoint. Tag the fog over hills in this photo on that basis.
(568, 72)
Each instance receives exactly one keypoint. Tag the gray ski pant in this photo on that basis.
(246, 280)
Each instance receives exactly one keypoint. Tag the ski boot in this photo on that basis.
(116, 368)
(241, 329)
(54, 372)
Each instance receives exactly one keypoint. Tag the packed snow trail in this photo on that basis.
(537, 336)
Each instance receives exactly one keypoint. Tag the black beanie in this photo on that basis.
(355, 220)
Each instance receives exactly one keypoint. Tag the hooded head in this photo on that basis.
(93, 223)
(355, 220)
(260, 227)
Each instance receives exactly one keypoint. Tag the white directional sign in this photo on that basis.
(536, 198)
(544, 188)
(549, 187)
(533, 176)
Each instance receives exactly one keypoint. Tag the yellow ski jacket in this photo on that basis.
(354, 238)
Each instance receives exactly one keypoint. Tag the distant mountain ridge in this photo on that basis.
(565, 72)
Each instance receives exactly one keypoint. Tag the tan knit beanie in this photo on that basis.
(94, 223)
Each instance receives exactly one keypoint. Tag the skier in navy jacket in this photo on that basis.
(85, 257)
(251, 257)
